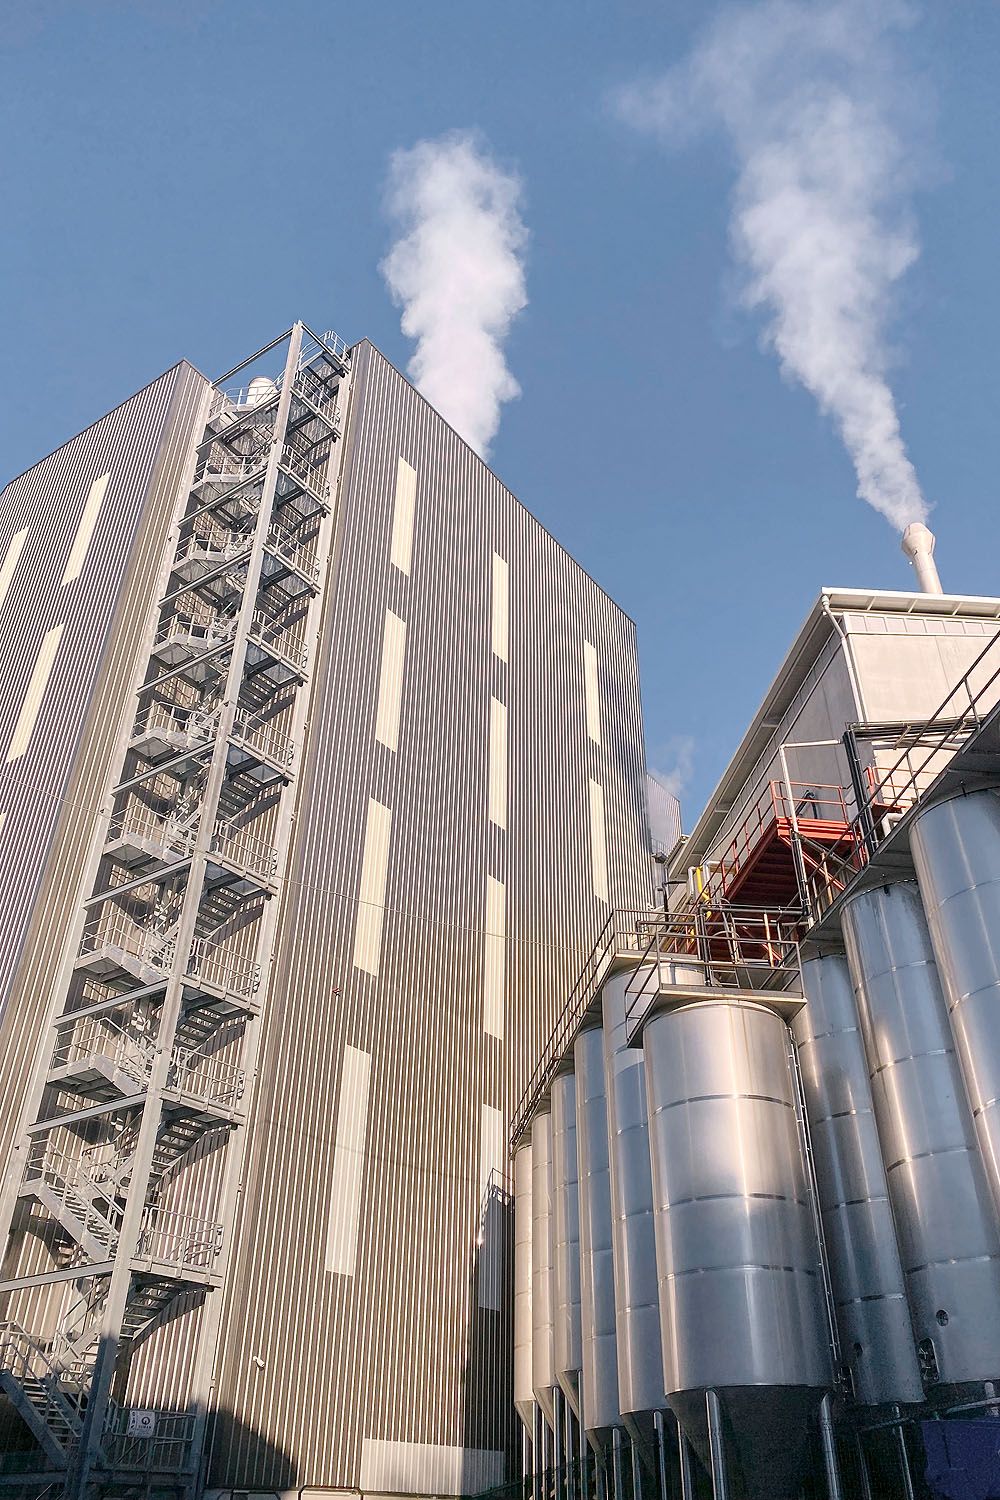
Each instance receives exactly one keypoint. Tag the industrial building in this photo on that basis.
(321, 770)
(757, 1216)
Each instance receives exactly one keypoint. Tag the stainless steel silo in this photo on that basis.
(597, 1269)
(948, 1237)
(862, 1253)
(641, 1391)
(956, 850)
(524, 1397)
(543, 1364)
(566, 1240)
(746, 1343)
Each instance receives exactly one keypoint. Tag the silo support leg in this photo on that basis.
(687, 1466)
(616, 1464)
(661, 1455)
(720, 1486)
(829, 1441)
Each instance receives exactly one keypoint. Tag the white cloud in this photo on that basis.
(457, 272)
(810, 96)
(677, 755)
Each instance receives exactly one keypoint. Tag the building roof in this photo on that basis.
(803, 652)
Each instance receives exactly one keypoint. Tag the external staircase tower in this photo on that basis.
(117, 1213)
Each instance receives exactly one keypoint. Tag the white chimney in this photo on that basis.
(918, 544)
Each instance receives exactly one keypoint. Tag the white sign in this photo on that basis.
(141, 1423)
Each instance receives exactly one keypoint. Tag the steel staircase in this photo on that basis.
(128, 1160)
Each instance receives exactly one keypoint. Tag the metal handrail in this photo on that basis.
(621, 923)
(244, 849)
(259, 734)
(219, 1083)
(196, 721)
(111, 928)
(269, 634)
(103, 1037)
(290, 547)
(141, 821)
(210, 962)
(178, 1238)
(724, 943)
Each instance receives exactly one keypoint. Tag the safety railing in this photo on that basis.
(195, 546)
(68, 1182)
(211, 963)
(278, 639)
(780, 803)
(179, 1239)
(197, 723)
(198, 635)
(97, 1036)
(250, 853)
(111, 928)
(310, 472)
(260, 735)
(161, 1441)
(627, 930)
(192, 1072)
(51, 1391)
(139, 822)
(336, 343)
(725, 946)
(299, 553)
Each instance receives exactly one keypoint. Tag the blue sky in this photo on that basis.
(185, 179)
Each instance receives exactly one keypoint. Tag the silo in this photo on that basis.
(956, 850)
(637, 1312)
(543, 1370)
(863, 1256)
(948, 1237)
(566, 1240)
(524, 1398)
(746, 1346)
(597, 1272)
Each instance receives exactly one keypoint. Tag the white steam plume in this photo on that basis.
(808, 92)
(457, 273)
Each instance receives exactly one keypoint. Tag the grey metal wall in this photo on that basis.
(50, 795)
(385, 1376)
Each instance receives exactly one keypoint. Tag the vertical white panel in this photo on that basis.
(498, 763)
(390, 684)
(371, 896)
(85, 530)
(598, 842)
(494, 958)
(11, 559)
(348, 1162)
(501, 607)
(592, 692)
(402, 516)
(492, 1146)
(21, 737)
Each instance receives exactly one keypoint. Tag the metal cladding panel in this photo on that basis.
(956, 851)
(524, 1398)
(741, 1299)
(597, 1272)
(865, 1272)
(50, 795)
(566, 1239)
(948, 1237)
(314, 1363)
(637, 1306)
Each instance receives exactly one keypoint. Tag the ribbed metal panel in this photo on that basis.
(51, 795)
(312, 1363)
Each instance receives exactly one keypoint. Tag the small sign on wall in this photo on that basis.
(141, 1423)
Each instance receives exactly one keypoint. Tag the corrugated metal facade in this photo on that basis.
(382, 1376)
(99, 590)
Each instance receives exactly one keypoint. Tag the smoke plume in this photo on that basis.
(457, 273)
(810, 96)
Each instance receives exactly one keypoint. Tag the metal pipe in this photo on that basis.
(829, 1442)
(716, 1443)
(904, 1457)
(687, 1467)
(616, 1463)
(918, 544)
(537, 1453)
(557, 1439)
(866, 1483)
(661, 1454)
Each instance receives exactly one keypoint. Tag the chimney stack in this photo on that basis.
(918, 544)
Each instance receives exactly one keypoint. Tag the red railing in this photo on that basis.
(795, 802)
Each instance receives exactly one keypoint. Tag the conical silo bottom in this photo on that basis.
(569, 1384)
(766, 1433)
